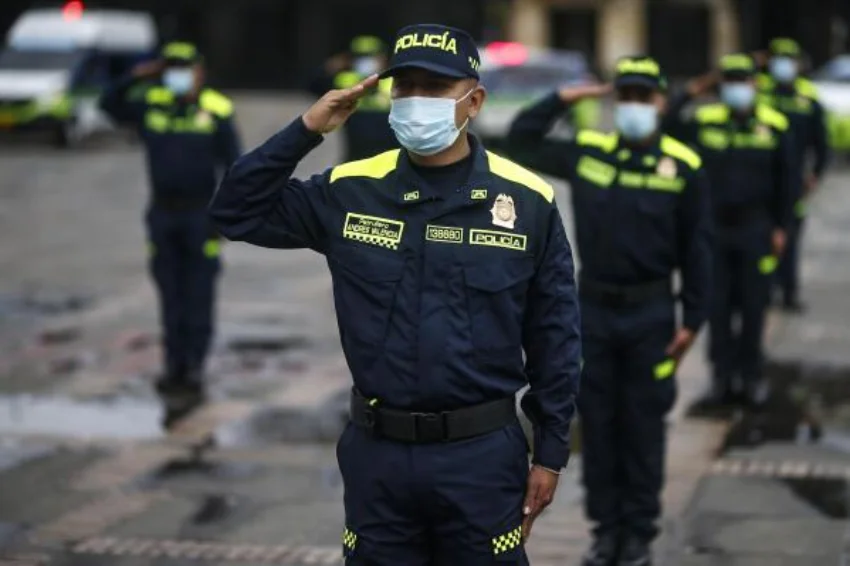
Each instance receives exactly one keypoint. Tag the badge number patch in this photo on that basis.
(373, 230)
(497, 239)
(479, 194)
(446, 234)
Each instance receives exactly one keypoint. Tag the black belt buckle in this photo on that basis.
(430, 427)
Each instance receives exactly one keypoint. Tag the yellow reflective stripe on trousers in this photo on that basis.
(212, 248)
(768, 264)
(665, 369)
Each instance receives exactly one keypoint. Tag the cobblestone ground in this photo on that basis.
(88, 478)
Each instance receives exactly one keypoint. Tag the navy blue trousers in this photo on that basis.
(443, 504)
(740, 297)
(623, 402)
(184, 263)
(788, 279)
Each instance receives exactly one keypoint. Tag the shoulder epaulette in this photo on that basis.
(604, 141)
(509, 170)
(771, 117)
(675, 148)
(215, 102)
(376, 167)
(716, 113)
(159, 95)
(806, 88)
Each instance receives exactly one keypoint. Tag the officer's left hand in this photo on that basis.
(681, 343)
(538, 495)
(778, 241)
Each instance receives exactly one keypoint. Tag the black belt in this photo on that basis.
(422, 428)
(180, 203)
(623, 295)
(739, 214)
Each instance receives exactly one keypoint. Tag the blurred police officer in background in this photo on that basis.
(190, 139)
(367, 131)
(641, 209)
(785, 90)
(447, 263)
(748, 153)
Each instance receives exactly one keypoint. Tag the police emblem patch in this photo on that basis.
(503, 211)
(666, 168)
(203, 119)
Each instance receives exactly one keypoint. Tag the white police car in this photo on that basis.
(56, 63)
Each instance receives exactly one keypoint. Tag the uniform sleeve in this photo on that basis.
(695, 248)
(526, 143)
(228, 142)
(116, 102)
(785, 163)
(820, 144)
(674, 124)
(553, 349)
(259, 203)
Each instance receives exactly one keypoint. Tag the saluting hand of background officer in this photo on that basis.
(333, 109)
(149, 69)
(702, 84)
(538, 495)
(573, 94)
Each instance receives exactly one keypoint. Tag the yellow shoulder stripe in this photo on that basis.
(712, 113)
(376, 167)
(764, 82)
(159, 95)
(606, 142)
(512, 172)
(806, 88)
(215, 102)
(675, 148)
(771, 117)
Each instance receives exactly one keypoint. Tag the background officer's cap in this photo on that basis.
(365, 45)
(784, 46)
(737, 66)
(181, 53)
(639, 70)
(440, 49)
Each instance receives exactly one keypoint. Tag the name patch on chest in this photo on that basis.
(447, 234)
(373, 230)
(497, 239)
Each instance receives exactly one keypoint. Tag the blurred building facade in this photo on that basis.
(276, 43)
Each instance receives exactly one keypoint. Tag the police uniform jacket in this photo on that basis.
(750, 163)
(640, 213)
(799, 102)
(438, 290)
(189, 143)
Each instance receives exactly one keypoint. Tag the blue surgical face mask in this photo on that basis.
(636, 120)
(738, 96)
(367, 66)
(179, 80)
(783, 69)
(424, 125)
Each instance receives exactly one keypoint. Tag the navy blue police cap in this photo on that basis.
(440, 49)
(639, 71)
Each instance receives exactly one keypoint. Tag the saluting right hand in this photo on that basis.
(702, 84)
(333, 109)
(569, 95)
(149, 69)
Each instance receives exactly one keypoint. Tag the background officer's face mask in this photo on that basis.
(367, 66)
(738, 96)
(179, 80)
(425, 125)
(636, 120)
(783, 69)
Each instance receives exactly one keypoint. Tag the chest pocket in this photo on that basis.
(497, 296)
(365, 285)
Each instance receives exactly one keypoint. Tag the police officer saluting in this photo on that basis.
(641, 210)
(748, 154)
(366, 132)
(786, 91)
(190, 138)
(447, 263)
